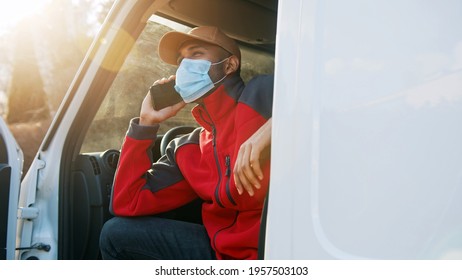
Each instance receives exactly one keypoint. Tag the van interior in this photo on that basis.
(92, 147)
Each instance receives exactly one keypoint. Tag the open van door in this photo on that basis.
(373, 106)
(11, 161)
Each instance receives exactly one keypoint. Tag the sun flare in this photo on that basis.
(12, 11)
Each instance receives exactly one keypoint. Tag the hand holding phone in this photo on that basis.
(164, 95)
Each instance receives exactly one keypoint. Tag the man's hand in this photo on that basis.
(149, 116)
(247, 169)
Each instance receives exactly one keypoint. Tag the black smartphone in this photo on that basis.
(164, 95)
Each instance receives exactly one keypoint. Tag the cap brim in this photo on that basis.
(171, 42)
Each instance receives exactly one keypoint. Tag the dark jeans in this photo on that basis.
(142, 238)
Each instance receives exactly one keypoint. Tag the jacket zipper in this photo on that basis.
(215, 154)
(217, 162)
(228, 175)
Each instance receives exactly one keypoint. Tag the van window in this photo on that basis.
(141, 69)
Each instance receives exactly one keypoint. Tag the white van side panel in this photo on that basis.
(366, 153)
(15, 162)
(292, 141)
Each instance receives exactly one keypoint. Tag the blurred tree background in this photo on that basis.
(39, 57)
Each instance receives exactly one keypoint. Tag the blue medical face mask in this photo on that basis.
(193, 80)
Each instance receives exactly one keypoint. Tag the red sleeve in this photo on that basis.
(145, 188)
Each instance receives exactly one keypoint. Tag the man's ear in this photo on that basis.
(232, 65)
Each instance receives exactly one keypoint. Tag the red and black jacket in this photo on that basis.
(200, 165)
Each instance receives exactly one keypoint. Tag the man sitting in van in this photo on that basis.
(221, 162)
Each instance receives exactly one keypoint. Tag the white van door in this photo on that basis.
(11, 160)
(366, 153)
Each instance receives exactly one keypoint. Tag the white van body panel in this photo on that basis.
(15, 161)
(366, 151)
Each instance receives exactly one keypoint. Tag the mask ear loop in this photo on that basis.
(214, 83)
(221, 61)
(220, 79)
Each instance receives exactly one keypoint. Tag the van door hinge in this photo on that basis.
(27, 213)
(40, 164)
(38, 246)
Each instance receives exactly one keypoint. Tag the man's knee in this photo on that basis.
(110, 233)
(108, 228)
